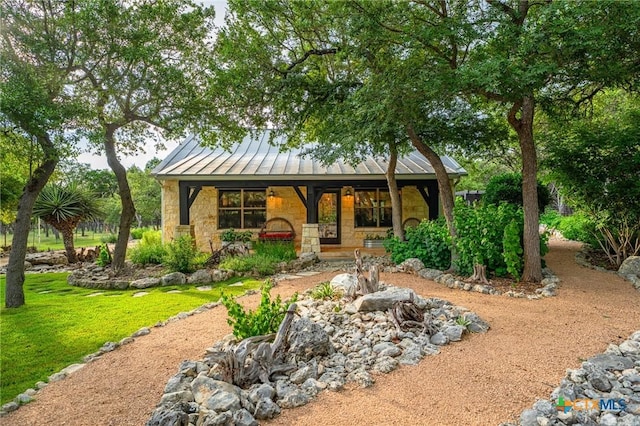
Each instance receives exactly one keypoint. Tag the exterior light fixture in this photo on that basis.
(347, 193)
(272, 194)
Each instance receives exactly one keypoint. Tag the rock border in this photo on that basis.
(605, 390)
(416, 267)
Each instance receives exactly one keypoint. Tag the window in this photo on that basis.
(242, 208)
(373, 208)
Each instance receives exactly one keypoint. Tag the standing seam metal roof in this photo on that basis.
(256, 158)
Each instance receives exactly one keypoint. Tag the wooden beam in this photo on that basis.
(193, 193)
(183, 195)
(301, 196)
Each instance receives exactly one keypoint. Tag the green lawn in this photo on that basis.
(59, 324)
(43, 243)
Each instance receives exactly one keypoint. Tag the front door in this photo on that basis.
(329, 217)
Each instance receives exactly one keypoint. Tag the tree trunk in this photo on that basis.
(67, 238)
(523, 125)
(15, 267)
(446, 193)
(128, 209)
(396, 207)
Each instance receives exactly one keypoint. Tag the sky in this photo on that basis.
(140, 159)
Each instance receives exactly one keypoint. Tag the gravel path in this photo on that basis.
(484, 380)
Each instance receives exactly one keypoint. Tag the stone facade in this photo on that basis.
(285, 203)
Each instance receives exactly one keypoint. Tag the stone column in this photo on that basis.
(310, 238)
(184, 230)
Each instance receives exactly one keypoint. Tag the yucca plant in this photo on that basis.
(63, 207)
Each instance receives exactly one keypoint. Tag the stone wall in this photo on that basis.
(285, 203)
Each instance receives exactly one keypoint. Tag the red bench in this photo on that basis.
(277, 229)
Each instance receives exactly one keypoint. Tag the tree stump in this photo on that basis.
(366, 285)
(479, 274)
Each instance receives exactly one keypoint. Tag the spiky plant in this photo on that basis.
(63, 207)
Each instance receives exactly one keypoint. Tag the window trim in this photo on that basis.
(242, 209)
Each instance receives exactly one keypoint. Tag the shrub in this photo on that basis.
(325, 291)
(578, 227)
(429, 241)
(137, 233)
(507, 188)
(551, 218)
(182, 255)
(480, 233)
(110, 239)
(104, 258)
(260, 264)
(264, 320)
(280, 251)
(231, 235)
(149, 250)
(512, 248)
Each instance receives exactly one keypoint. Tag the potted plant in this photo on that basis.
(373, 241)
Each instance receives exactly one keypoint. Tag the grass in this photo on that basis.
(43, 243)
(59, 324)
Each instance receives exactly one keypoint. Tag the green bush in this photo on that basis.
(264, 320)
(551, 218)
(281, 251)
(507, 188)
(260, 264)
(111, 239)
(325, 291)
(578, 227)
(182, 255)
(149, 251)
(231, 235)
(429, 241)
(104, 258)
(480, 234)
(512, 248)
(136, 233)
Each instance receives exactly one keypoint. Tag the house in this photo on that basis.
(206, 191)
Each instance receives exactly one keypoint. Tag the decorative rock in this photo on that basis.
(345, 282)
(266, 409)
(201, 276)
(439, 339)
(630, 266)
(453, 332)
(529, 418)
(263, 391)
(383, 300)
(411, 266)
(10, 406)
(630, 347)
(610, 362)
(142, 332)
(244, 418)
(176, 397)
(308, 339)
(109, 347)
(174, 278)
(294, 398)
(145, 282)
(429, 274)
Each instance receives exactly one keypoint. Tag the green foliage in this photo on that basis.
(103, 257)
(64, 207)
(264, 320)
(464, 322)
(265, 259)
(136, 233)
(231, 235)
(84, 322)
(429, 241)
(280, 251)
(325, 291)
(512, 250)
(480, 235)
(551, 218)
(149, 250)
(507, 188)
(182, 255)
(110, 238)
(578, 227)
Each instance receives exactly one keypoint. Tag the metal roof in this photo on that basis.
(257, 159)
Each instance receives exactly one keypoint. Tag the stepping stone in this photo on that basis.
(95, 294)
(204, 288)
(290, 277)
(174, 291)
(140, 294)
(240, 284)
(308, 273)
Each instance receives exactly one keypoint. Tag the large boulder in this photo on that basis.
(174, 278)
(308, 339)
(383, 300)
(345, 282)
(145, 282)
(630, 266)
(47, 258)
(201, 276)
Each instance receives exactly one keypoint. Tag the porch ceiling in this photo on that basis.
(256, 159)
